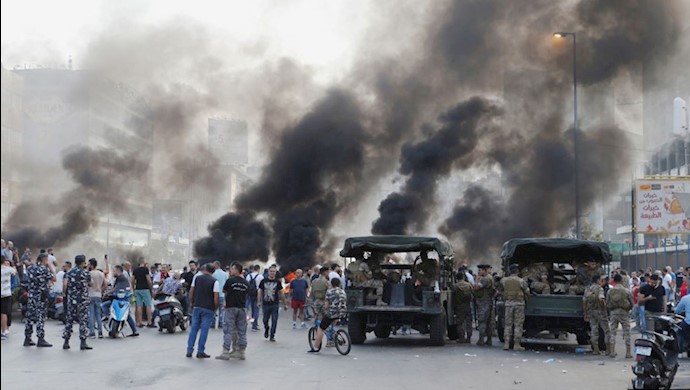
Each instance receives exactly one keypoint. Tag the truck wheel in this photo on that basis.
(356, 327)
(382, 332)
(582, 338)
(437, 329)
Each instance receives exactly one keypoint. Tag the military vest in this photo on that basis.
(356, 273)
(618, 298)
(486, 292)
(512, 289)
(592, 297)
(462, 293)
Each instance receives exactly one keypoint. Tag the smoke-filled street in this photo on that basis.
(471, 171)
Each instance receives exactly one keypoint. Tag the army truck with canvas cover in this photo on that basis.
(399, 281)
(557, 271)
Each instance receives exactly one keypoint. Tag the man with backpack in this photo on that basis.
(253, 280)
(462, 301)
(619, 301)
(594, 306)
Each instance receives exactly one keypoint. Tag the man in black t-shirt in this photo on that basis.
(204, 293)
(143, 291)
(270, 289)
(653, 295)
(235, 316)
(188, 276)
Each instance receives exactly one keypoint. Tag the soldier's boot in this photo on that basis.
(43, 343)
(65, 345)
(28, 342)
(516, 345)
(84, 346)
(611, 350)
(242, 355)
(235, 353)
(489, 342)
(595, 349)
(506, 344)
(225, 355)
(627, 350)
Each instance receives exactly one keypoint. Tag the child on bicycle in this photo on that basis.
(335, 308)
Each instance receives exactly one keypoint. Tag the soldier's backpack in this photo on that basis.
(462, 293)
(253, 289)
(618, 299)
(592, 297)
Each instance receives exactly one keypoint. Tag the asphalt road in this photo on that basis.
(157, 360)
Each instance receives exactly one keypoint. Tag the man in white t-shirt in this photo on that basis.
(334, 272)
(52, 261)
(60, 277)
(252, 307)
(7, 272)
(668, 284)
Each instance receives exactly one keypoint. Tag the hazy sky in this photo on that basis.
(316, 33)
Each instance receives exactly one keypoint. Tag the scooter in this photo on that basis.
(56, 309)
(170, 313)
(657, 355)
(119, 312)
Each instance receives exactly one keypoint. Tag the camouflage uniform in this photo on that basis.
(39, 279)
(597, 315)
(77, 304)
(619, 301)
(515, 292)
(363, 278)
(318, 291)
(484, 294)
(426, 272)
(462, 300)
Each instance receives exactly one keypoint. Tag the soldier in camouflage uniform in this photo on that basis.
(76, 288)
(39, 276)
(515, 293)
(619, 301)
(484, 297)
(594, 305)
(462, 300)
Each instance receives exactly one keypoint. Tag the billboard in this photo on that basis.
(662, 206)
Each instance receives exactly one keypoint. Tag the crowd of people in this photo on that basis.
(232, 298)
(229, 298)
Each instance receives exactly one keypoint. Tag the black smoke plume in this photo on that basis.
(235, 237)
(312, 174)
(426, 162)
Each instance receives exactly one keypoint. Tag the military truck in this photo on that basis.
(421, 301)
(557, 311)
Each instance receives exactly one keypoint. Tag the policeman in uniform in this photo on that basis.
(594, 305)
(76, 288)
(39, 276)
(484, 290)
(462, 300)
(515, 293)
(619, 301)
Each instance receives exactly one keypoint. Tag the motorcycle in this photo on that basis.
(56, 309)
(170, 313)
(657, 355)
(119, 312)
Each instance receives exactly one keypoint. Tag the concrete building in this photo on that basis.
(65, 108)
(12, 140)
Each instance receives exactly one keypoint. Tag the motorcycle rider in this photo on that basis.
(121, 283)
(174, 286)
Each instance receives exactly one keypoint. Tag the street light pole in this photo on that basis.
(575, 127)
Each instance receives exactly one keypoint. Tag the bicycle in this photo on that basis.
(340, 338)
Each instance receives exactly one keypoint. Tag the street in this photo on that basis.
(157, 360)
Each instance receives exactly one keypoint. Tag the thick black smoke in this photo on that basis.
(320, 157)
(235, 237)
(101, 178)
(428, 161)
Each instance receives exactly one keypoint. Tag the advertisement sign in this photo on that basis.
(662, 206)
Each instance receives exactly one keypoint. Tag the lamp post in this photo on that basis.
(575, 151)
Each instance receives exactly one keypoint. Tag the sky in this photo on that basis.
(322, 35)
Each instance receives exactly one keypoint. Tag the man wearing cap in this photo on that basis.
(76, 289)
(515, 293)
(39, 277)
(484, 290)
